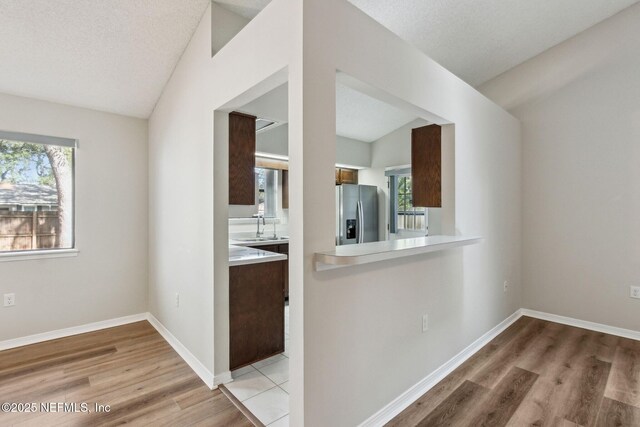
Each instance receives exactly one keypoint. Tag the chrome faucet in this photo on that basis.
(258, 233)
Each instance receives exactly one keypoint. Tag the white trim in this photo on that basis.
(67, 332)
(400, 403)
(188, 357)
(223, 378)
(598, 327)
(38, 139)
(37, 254)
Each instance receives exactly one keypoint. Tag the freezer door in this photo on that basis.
(347, 202)
(369, 204)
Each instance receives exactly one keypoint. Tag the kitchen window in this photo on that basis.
(267, 185)
(404, 217)
(36, 192)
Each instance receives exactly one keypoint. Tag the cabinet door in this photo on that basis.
(256, 313)
(426, 161)
(284, 249)
(348, 176)
(242, 149)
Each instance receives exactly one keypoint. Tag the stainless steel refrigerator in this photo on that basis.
(356, 214)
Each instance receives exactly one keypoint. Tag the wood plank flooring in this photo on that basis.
(131, 368)
(538, 373)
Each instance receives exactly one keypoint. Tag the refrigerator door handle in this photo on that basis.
(360, 214)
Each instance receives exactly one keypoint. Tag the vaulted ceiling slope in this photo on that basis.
(113, 55)
(477, 39)
(117, 55)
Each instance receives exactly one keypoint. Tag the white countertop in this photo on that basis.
(240, 255)
(364, 253)
(245, 242)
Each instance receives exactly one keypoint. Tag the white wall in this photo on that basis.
(349, 151)
(579, 104)
(394, 149)
(352, 152)
(108, 278)
(363, 344)
(188, 176)
(274, 141)
(344, 317)
(181, 192)
(224, 26)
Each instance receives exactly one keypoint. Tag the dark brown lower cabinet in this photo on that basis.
(256, 312)
(282, 248)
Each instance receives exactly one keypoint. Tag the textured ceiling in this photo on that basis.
(358, 116)
(117, 55)
(361, 117)
(110, 55)
(479, 39)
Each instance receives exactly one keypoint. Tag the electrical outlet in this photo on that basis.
(425, 322)
(634, 292)
(9, 300)
(506, 285)
(177, 299)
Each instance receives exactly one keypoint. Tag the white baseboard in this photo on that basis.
(67, 332)
(189, 358)
(598, 327)
(387, 413)
(186, 355)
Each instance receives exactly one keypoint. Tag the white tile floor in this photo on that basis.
(263, 387)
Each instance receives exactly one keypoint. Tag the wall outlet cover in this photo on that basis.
(9, 300)
(634, 292)
(425, 322)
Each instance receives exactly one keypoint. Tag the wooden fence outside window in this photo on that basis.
(21, 231)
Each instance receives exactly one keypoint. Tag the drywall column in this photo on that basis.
(221, 246)
(312, 154)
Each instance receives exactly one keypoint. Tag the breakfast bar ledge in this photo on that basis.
(365, 253)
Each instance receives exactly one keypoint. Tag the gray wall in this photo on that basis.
(579, 104)
(108, 278)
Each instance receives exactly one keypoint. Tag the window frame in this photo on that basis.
(393, 177)
(43, 253)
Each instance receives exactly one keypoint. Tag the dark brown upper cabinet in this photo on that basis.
(426, 166)
(242, 150)
(346, 176)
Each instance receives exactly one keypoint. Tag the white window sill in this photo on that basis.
(43, 254)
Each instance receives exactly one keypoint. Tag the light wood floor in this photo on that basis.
(131, 368)
(538, 373)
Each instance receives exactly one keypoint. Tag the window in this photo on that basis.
(267, 184)
(36, 192)
(404, 217)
